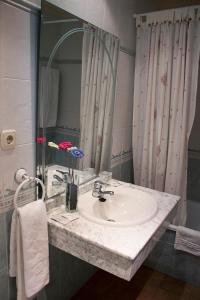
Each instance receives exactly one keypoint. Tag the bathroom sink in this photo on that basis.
(128, 206)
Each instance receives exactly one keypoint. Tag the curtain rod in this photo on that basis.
(165, 10)
(61, 21)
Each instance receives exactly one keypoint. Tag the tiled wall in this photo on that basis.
(18, 85)
(17, 106)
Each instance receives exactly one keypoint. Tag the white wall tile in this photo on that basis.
(16, 106)
(18, 37)
(22, 156)
(32, 45)
(15, 42)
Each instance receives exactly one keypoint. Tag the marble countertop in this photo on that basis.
(119, 250)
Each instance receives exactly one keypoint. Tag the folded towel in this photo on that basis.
(29, 252)
(187, 240)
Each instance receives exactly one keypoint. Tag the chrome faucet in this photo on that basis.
(63, 174)
(98, 192)
(62, 178)
(58, 178)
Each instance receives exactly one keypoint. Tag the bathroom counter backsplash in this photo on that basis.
(118, 250)
(58, 200)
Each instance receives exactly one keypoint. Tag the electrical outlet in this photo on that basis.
(8, 139)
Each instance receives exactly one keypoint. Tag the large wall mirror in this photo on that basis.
(76, 92)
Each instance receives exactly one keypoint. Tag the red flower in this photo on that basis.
(41, 140)
(65, 145)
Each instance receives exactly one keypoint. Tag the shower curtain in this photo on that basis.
(166, 75)
(97, 97)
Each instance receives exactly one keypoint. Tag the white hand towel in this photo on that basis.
(187, 240)
(29, 252)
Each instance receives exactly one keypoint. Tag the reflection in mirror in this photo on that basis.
(77, 75)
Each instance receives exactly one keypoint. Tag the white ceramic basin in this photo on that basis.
(126, 207)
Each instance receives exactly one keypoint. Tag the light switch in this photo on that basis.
(8, 139)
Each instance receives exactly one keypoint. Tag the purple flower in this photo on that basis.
(77, 153)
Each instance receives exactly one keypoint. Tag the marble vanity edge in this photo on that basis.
(87, 240)
(145, 251)
(99, 255)
(98, 244)
(94, 254)
(168, 219)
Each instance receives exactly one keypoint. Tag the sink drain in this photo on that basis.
(110, 220)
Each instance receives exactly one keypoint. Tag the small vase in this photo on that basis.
(71, 197)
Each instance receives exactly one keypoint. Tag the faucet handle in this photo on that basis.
(98, 192)
(99, 185)
(97, 188)
(102, 183)
(99, 182)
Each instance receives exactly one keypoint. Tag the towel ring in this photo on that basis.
(21, 176)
